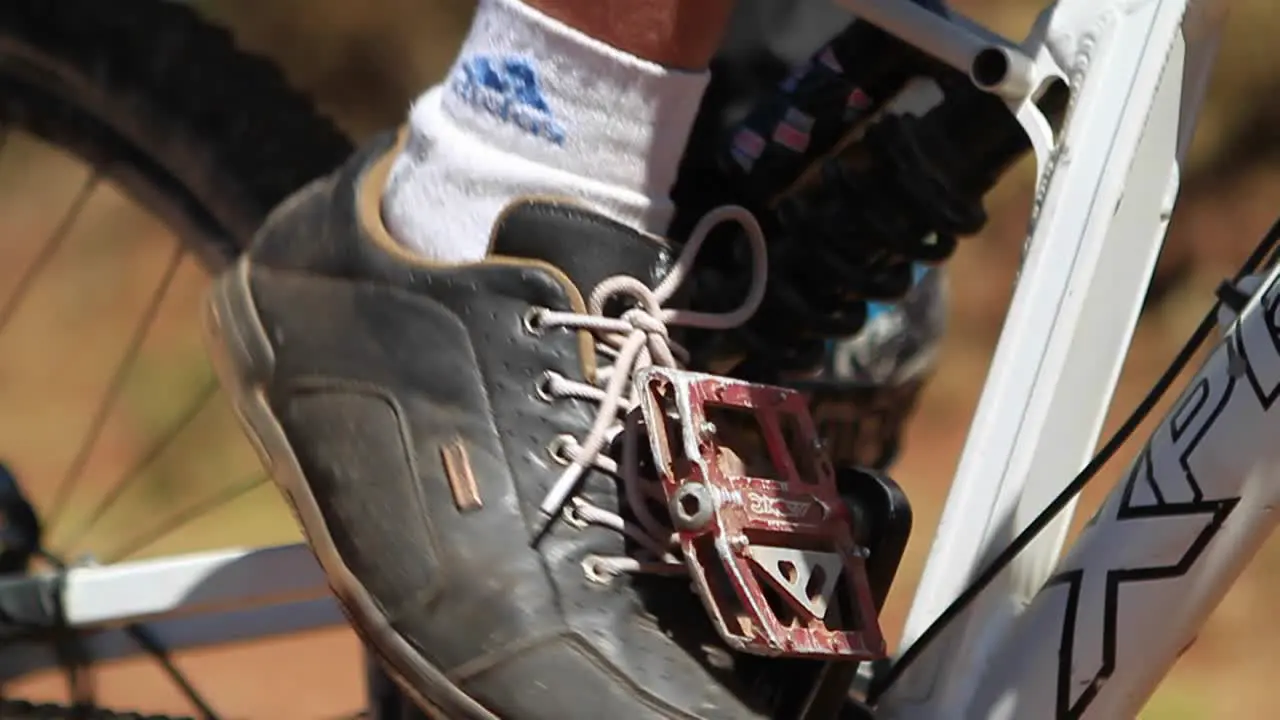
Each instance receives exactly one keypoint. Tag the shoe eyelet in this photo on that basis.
(593, 569)
(543, 388)
(572, 517)
(558, 449)
(532, 320)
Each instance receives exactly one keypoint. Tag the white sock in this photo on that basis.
(609, 132)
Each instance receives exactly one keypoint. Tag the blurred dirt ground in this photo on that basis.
(364, 62)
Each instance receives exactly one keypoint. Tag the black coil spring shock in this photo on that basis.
(902, 194)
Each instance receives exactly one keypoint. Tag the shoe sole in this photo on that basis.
(245, 362)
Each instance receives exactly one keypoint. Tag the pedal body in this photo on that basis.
(768, 540)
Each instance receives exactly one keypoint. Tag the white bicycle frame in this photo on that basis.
(1089, 636)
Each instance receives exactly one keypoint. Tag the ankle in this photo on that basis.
(533, 106)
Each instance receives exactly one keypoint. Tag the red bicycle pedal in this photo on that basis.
(767, 539)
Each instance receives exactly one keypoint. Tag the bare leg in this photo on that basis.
(680, 34)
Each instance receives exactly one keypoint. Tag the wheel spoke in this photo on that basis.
(90, 440)
(10, 307)
(49, 249)
(128, 549)
(148, 642)
(136, 474)
(96, 430)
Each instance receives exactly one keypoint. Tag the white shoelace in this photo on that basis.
(636, 340)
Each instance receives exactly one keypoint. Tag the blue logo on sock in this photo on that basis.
(508, 89)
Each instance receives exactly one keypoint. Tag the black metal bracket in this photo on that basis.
(882, 510)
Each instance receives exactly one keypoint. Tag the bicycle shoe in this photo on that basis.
(419, 416)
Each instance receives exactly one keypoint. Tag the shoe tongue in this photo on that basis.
(587, 247)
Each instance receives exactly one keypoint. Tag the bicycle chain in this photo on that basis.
(23, 710)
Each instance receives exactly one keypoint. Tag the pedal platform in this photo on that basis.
(767, 538)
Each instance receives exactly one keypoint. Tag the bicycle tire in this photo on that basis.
(211, 132)
(19, 710)
(204, 135)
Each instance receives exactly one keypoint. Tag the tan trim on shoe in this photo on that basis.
(369, 212)
(462, 481)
